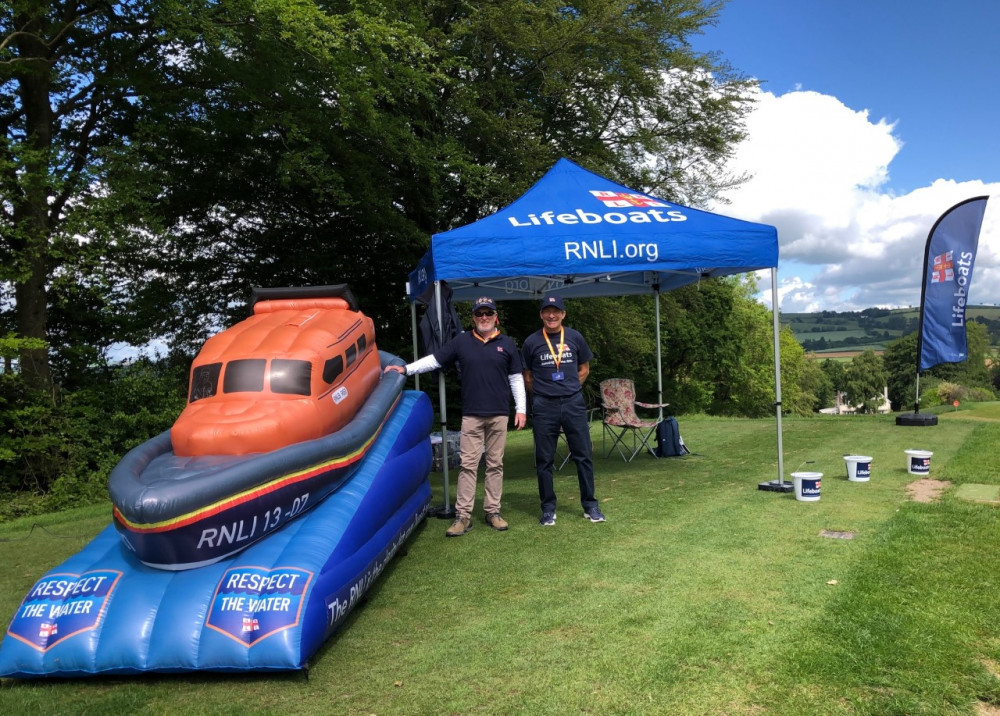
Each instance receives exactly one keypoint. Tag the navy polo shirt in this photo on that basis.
(485, 370)
(537, 358)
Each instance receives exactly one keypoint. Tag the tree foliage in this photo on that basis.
(901, 365)
(865, 380)
(61, 453)
(816, 384)
(805, 388)
(182, 153)
(717, 347)
(70, 77)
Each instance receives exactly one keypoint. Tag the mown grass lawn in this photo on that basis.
(700, 595)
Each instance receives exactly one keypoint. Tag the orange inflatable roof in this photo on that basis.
(298, 369)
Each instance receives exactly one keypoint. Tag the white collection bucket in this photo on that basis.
(859, 467)
(806, 485)
(918, 462)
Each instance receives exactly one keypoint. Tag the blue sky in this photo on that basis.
(875, 117)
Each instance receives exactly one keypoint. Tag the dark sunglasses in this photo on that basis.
(484, 314)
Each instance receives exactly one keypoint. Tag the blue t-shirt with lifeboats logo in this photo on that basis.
(485, 370)
(536, 357)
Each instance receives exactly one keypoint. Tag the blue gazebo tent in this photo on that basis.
(579, 234)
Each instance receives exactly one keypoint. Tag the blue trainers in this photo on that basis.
(548, 519)
(594, 514)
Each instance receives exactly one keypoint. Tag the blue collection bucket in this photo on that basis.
(918, 462)
(807, 485)
(859, 467)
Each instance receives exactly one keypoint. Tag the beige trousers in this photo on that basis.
(477, 433)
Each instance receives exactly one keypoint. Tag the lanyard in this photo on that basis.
(557, 357)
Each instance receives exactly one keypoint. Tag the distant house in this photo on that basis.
(844, 408)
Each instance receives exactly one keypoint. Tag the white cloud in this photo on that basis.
(846, 242)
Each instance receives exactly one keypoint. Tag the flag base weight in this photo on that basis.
(776, 486)
(445, 512)
(916, 419)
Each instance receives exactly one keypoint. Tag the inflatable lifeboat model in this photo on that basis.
(282, 408)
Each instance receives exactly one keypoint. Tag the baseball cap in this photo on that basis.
(484, 302)
(552, 300)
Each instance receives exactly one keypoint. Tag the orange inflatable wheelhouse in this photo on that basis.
(299, 368)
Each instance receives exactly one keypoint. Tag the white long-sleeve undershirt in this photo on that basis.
(424, 365)
(517, 388)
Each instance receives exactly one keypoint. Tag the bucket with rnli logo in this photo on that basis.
(918, 462)
(859, 467)
(806, 485)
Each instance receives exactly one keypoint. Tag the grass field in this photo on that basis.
(700, 595)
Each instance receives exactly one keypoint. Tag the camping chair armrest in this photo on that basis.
(652, 405)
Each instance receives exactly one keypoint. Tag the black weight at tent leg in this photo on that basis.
(776, 486)
(918, 419)
(445, 512)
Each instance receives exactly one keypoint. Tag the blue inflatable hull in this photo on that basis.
(268, 608)
(184, 512)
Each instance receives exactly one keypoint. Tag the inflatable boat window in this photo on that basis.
(205, 381)
(333, 368)
(362, 342)
(352, 355)
(244, 376)
(291, 377)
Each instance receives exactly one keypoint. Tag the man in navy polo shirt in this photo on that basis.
(491, 372)
(556, 363)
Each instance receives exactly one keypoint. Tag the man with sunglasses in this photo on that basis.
(491, 372)
(556, 363)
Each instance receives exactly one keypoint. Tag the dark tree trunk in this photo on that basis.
(31, 209)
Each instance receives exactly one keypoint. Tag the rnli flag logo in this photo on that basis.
(623, 200)
(943, 268)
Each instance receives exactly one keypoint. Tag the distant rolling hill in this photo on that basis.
(874, 328)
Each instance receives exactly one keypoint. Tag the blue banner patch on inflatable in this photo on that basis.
(61, 605)
(252, 603)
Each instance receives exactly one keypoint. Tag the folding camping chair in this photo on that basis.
(621, 422)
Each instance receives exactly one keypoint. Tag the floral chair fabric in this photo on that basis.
(628, 432)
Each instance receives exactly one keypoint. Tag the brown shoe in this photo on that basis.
(459, 527)
(497, 522)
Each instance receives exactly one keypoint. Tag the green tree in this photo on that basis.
(800, 376)
(900, 360)
(865, 380)
(717, 346)
(835, 372)
(285, 153)
(973, 372)
(71, 74)
(442, 115)
(901, 365)
(162, 158)
(621, 332)
(817, 384)
(745, 381)
(701, 344)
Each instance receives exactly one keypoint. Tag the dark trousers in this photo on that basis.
(548, 415)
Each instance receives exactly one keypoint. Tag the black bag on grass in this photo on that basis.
(669, 442)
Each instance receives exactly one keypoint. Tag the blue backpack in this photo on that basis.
(669, 442)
